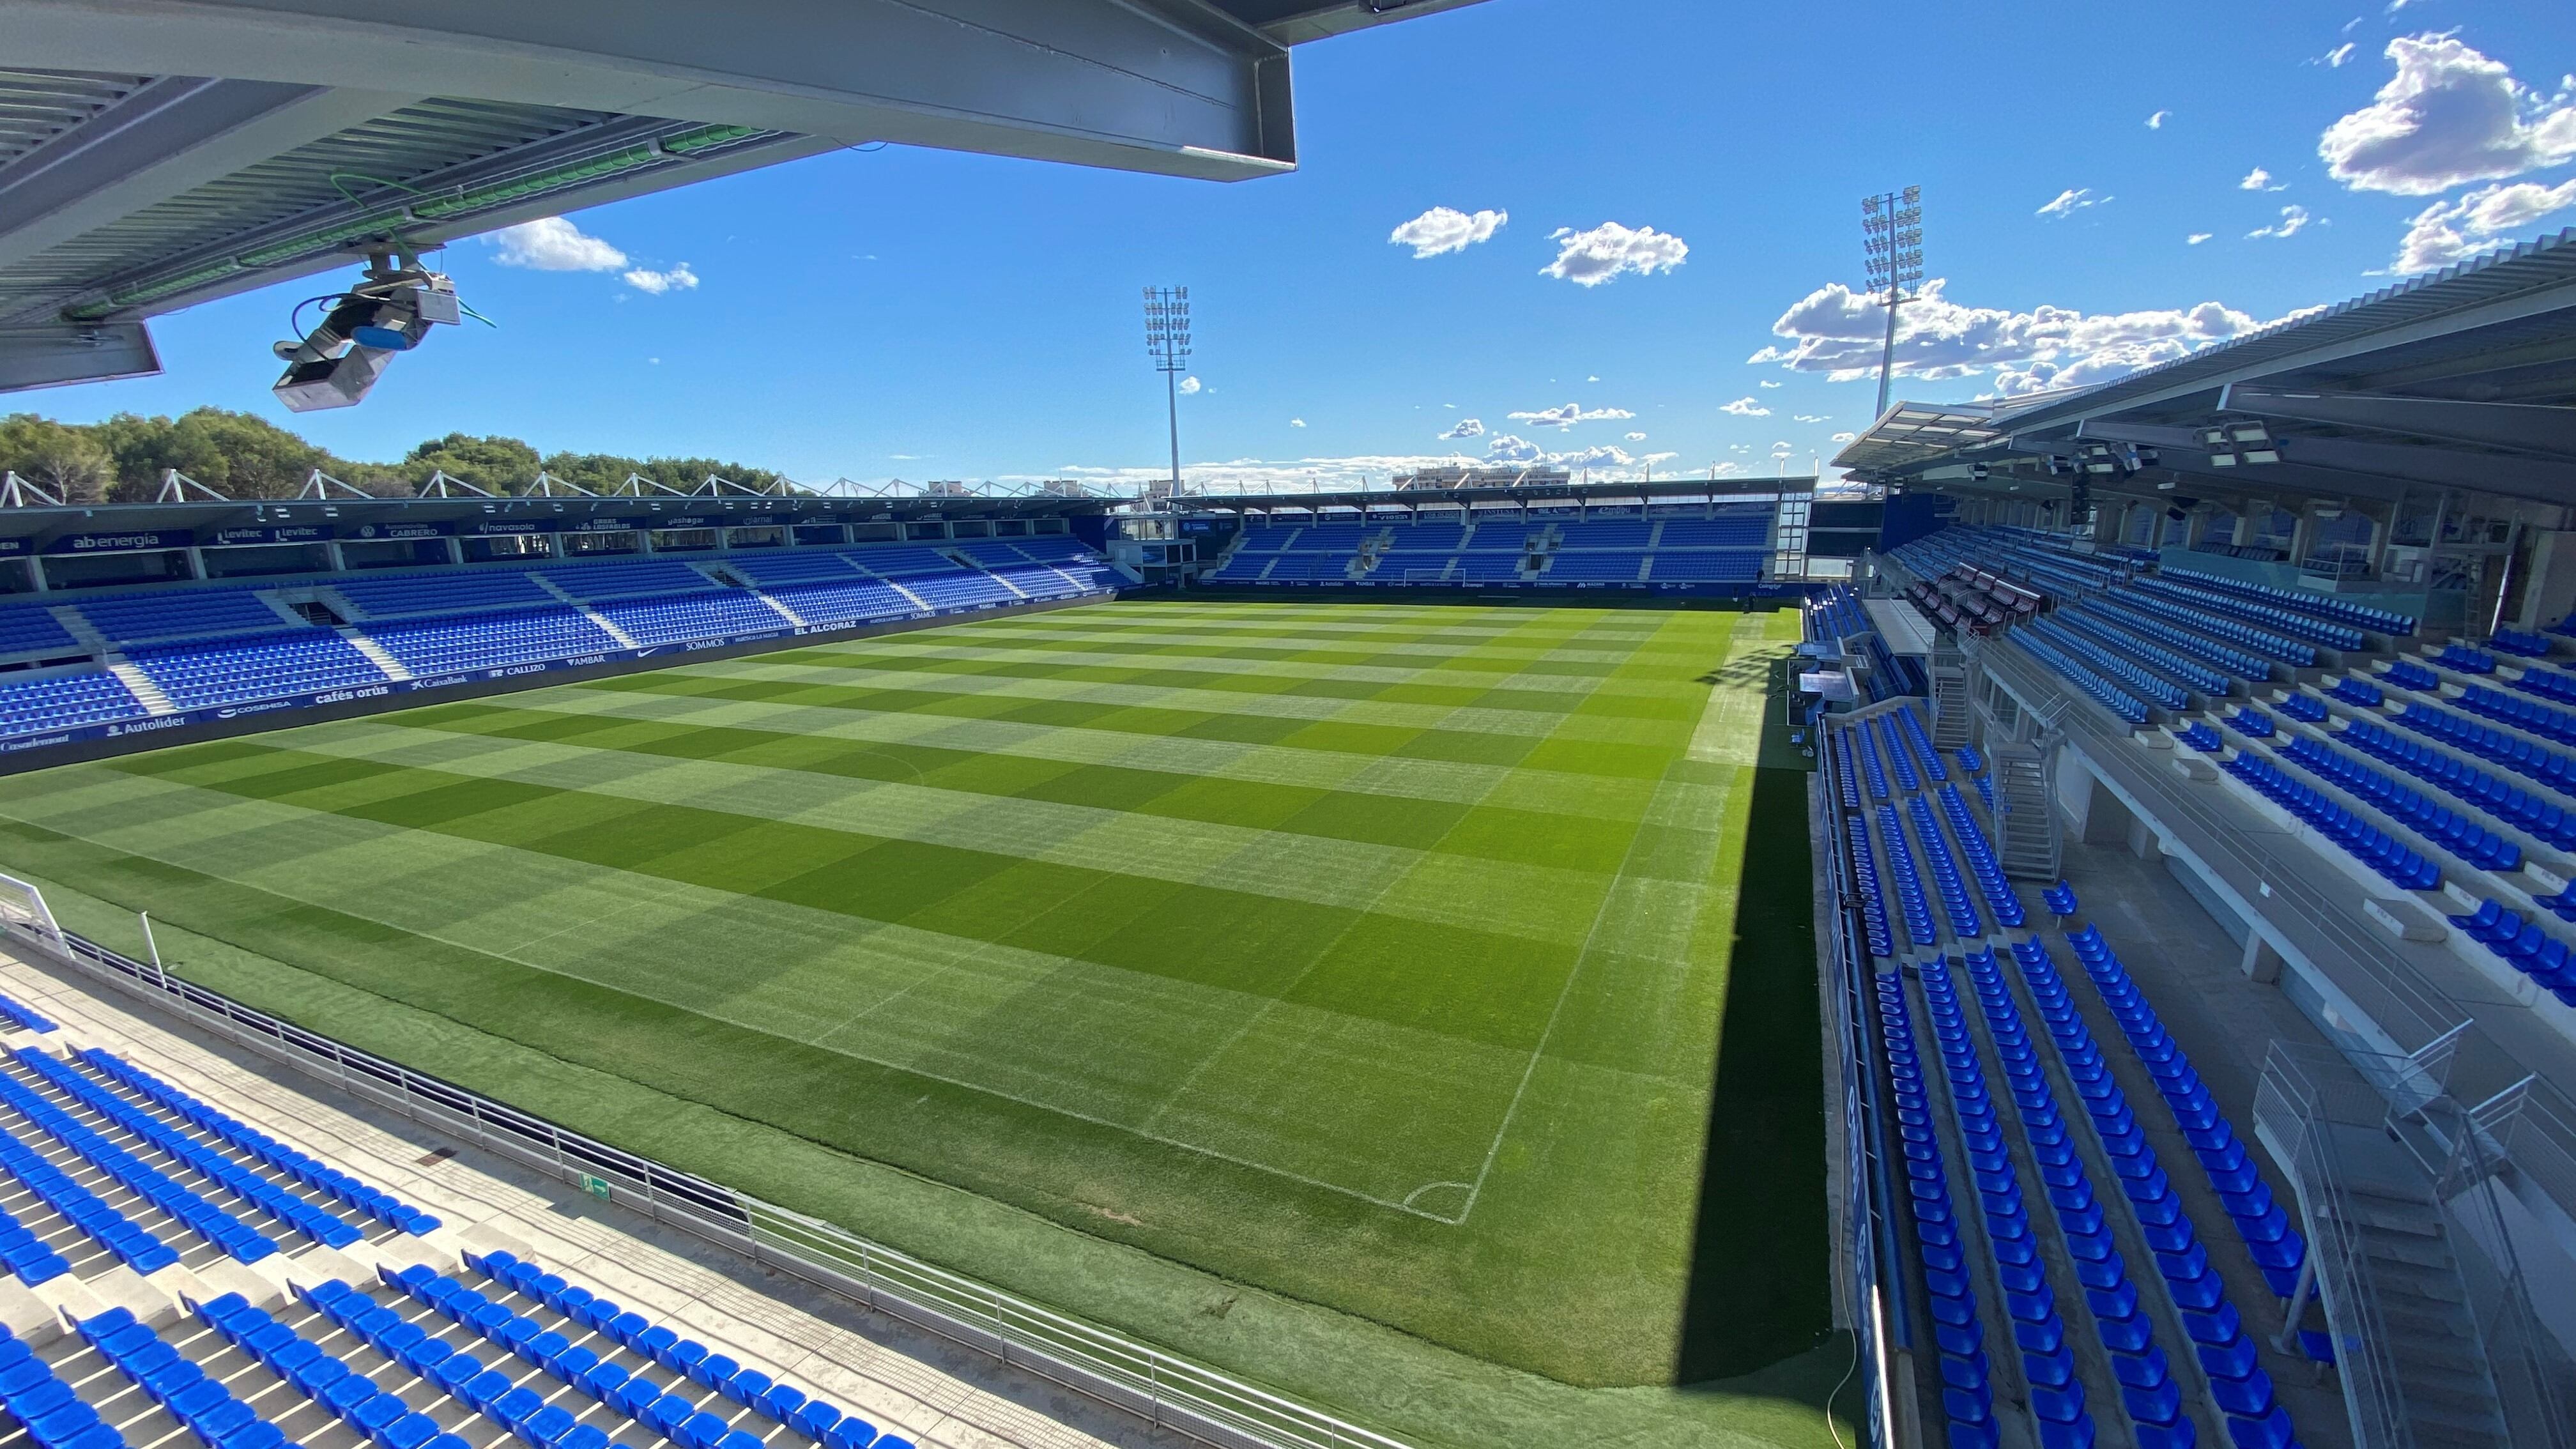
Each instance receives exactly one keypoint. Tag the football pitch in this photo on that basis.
(1363, 969)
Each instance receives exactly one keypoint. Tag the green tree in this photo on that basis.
(64, 461)
(493, 464)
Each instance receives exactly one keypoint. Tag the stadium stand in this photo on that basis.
(1720, 547)
(177, 1273)
(163, 652)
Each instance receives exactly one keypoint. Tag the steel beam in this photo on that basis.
(54, 354)
(2488, 424)
(1176, 87)
(171, 135)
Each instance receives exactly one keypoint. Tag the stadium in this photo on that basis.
(2056, 936)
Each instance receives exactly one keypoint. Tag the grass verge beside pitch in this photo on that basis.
(1598, 1249)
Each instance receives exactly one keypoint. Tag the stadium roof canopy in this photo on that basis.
(2463, 380)
(155, 156)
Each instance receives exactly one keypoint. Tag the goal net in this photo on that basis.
(22, 909)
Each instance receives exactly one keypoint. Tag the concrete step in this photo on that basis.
(140, 685)
(624, 639)
(375, 652)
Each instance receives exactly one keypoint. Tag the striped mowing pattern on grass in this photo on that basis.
(1355, 952)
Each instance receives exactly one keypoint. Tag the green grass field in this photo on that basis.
(1334, 993)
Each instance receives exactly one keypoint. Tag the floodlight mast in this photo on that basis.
(1167, 341)
(1891, 227)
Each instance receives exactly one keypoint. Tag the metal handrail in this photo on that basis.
(1161, 1387)
(2291, 1111)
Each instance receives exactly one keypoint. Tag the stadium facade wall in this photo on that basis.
(63, 747)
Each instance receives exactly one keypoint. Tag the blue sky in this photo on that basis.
(921, 314)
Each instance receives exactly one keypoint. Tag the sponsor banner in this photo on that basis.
(516, 525)
(13, 547)
(400, 530)
(691, 522)
(122, 542)
(282, 533)
(605, 525)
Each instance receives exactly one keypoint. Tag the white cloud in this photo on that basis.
(1467, 428)
(1812, 418)
(1190, 385)
(1745, 407)
(1505, 448)
(2259, 179)
(2447, 232)
(2294, 219)
(1766, 382)
(1596, 377)
(677, 279)
(1445, 229)
(2335, 59)
(1837, 332)
(2156, 122)
(1296, 422)
(1589, 258)
(2071, 201)
(2448, 116)
(1636, 437)
(1568, 414)
(552, 244)
(2196, 238)
(1845, 437)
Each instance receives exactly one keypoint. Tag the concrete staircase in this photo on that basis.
(624, 639)
(140, 685)
(375, 652)
(2026, 837)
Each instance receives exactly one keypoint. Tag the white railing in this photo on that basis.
(1163, 1388)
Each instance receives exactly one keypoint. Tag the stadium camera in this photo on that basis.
(387, 313)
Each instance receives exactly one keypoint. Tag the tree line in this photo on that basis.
(242, 455)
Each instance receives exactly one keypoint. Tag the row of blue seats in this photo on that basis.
(1960, 907)
(2343, 611)
(2478, 846)
(2128, 707)
(188, 1207)
(2523, 945)
(2127, 1335)
(2240, 1388)
(1911, 725)
(2048, 1365)
(2371, 846)
(2520, 642)
(2263, 1224)
(2515, 753)
(2520, 808)
(1873, 908)
(2295, 623)
(2408, 674)
(2522, 714)
(1999, 894)
(1871, 769)
(135, 1246)
(2466, 660)
(2139, 681)
(2547, 683)
(2115, 634)
(206, 1405)
(2209, 651)
(2183, 608)
(318, 1224)
(813, 1418)
(260, 1147)
(1912, 902)
(1847, 773)
(1835, 614)
(39, 1399)
(29, 1258)
(2355, 691)
(1894, 751)
(1967, 1399)
(23, 1016)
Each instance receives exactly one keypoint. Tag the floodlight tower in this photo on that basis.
(1891, 227)
(1167, 341)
